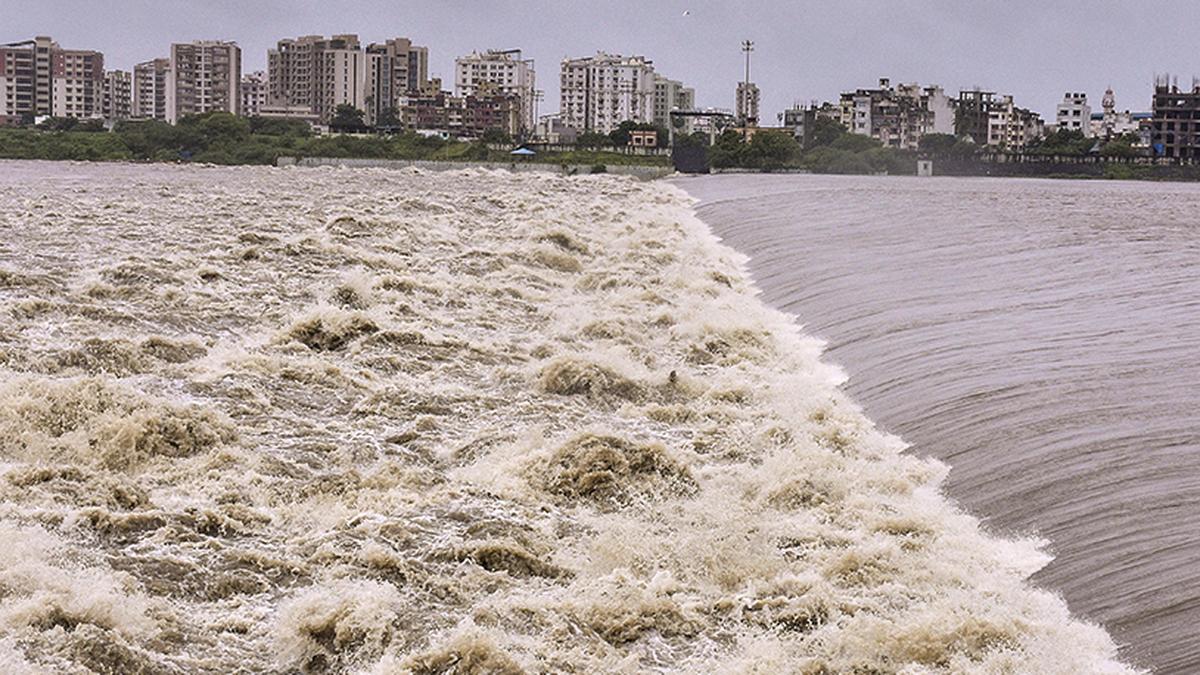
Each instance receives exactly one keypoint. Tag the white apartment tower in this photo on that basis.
(204, 77)
(502, 72)
(1074, 113)
(599, 92)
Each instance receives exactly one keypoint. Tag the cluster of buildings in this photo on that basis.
(898, 116)
(307, 78)
(311, 77)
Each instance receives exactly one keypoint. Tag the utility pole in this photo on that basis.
(744, 94)
(747, 47)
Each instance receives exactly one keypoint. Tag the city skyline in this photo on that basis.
(803, 52)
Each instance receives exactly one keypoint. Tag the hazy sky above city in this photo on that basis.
(805, 50)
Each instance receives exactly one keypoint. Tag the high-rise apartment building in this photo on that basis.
(255, 89)
(77, 79)
(204, 77)
(117, 98)
(599, 92)
(499, 72)
(150, 89)
(396, 68)
(670, 95)
(37, 77)
(319, 73)
(1074, 113)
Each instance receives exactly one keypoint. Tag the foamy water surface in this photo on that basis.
(388, 421)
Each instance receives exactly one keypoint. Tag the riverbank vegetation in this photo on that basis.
(829, 148)
(222, 138)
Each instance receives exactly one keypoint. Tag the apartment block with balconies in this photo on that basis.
(599, 92)
(499, 72)
(203, 77)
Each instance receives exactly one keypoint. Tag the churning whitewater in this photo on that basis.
(377, 421)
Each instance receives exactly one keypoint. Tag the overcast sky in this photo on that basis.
(805, 50)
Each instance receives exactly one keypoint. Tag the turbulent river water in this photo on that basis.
(1041, 337)
(372, 421)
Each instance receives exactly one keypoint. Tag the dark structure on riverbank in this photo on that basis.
(1176, 121)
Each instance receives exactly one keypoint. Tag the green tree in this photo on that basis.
(347, 118)
(771, 150)
(271, 126)
(825, 131)
(728, 150)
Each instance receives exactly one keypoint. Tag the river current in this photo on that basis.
(1041, 337)
(373, 421)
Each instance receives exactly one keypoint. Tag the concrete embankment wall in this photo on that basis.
(637, 171)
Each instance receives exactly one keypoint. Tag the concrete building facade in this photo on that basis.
(396, 68)
(599, 92)
(318, 73)
(150, 89)
(461, 116)
(77, 79)
(204, 76)
(1175, 125)
(39, 78)
(746, 108)
(1074, 113)
(898, 116)
(254, 91)
(670, 95)
(499, 72)
(117, 98)
(1012, 128)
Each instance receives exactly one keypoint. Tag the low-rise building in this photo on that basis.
(461, 116)
(255, 90)
(1012, 128)
(1112, 122)
(898, 117)
(1074, 113)
(552, 131)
